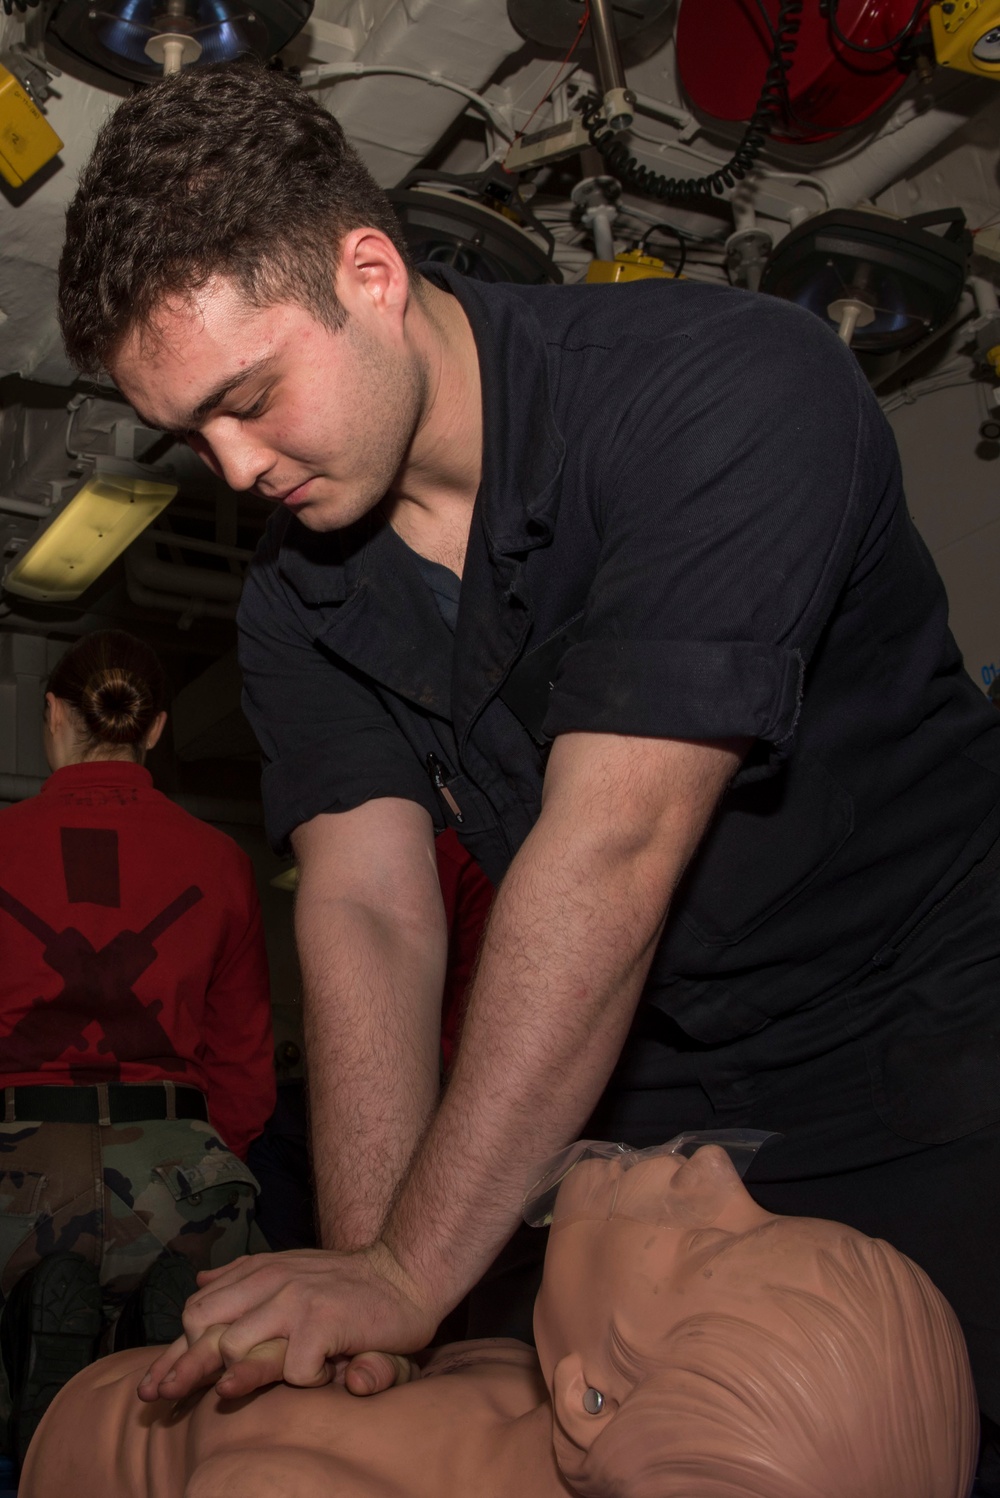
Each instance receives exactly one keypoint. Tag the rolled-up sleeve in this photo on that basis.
(731, 503)
(328, 742)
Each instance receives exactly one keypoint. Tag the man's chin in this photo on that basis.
(317, 515)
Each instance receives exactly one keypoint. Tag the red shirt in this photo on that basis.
(131, 947)
(467, 895)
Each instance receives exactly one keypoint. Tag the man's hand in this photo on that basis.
(308, 1317)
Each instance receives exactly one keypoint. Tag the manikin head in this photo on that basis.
(730, 1353)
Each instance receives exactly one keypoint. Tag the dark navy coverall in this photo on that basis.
(691, 525)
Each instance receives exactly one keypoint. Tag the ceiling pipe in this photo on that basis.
(897, 150)
(28, 507)
(188, 608)
(178, 541)
(177, 578)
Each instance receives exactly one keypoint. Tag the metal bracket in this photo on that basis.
(33, 72)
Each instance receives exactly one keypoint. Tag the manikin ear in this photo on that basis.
(569, 1388)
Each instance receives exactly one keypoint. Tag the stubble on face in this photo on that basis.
(383, 412)
(341, 416)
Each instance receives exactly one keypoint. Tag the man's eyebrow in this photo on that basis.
(215, 397)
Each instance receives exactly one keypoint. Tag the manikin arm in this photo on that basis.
(569, 943)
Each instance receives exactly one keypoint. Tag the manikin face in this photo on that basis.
(684, 1238)
(276, 402)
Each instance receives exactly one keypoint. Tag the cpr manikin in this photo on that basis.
(690, 1345)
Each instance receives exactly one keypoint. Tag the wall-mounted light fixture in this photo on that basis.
(86, 535)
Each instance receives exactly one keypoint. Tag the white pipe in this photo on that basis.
(985, 294)
(741, 202)
(599, 220)
(889, 157)
(25, 507)
(674, 113)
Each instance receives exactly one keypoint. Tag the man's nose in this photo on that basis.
(233, 453)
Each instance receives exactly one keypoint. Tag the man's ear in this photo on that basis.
(569, 1387)
(371, 275)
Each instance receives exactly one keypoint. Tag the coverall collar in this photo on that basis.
(522, 453)
(385, 621)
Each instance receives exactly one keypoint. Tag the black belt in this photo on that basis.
(107, 1102)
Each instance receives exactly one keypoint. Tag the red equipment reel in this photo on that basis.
(724, 48)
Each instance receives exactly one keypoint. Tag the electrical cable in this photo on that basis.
(629, 210)
(339, 72)
(667, 229)
(581, 27)
(863, 47)
(773, 97)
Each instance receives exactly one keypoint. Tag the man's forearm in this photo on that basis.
(567, 950)
(372, 1011)
(557, 985)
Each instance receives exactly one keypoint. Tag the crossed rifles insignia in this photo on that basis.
(97, 985)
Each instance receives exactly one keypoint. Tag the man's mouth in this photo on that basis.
(292, 499)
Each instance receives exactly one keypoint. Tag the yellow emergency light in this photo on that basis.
(966, 35)
(631, 265)
(86, 536)
(27, 140)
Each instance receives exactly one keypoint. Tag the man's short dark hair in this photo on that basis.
(231, 170)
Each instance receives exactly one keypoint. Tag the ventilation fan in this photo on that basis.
(882, 283)
(142, 39)
(474, 224)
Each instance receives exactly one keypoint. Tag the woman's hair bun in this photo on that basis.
(116, 708)
(115, 683)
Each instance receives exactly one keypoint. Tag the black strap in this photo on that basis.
(126, 1103)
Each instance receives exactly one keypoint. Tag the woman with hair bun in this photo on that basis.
(135, 1037)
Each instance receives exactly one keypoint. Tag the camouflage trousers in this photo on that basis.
(118, 1195)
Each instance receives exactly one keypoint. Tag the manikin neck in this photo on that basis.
(517, 1453)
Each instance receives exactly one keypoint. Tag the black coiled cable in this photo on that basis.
(773, 96)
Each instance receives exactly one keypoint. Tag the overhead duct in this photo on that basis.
(397, 117)
(904, 141)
